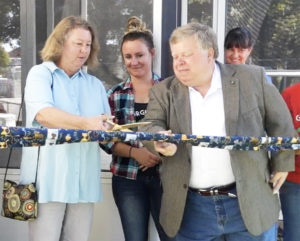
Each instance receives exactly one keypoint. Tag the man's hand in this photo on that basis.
(165, 148)
(277, 180)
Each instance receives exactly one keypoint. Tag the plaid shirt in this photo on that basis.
(121, 101)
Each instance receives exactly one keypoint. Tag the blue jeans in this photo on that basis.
(216, 218)
(135, 200)
(290, 206)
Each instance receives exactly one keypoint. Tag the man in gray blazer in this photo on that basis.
(216, 194)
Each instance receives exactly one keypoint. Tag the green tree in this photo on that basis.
(275, 26)
(201, 11)
(278, 45)
(4, 60)
(10, 20)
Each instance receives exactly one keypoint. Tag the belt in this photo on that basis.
(213, 191)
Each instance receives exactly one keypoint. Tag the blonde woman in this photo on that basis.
(59, 94)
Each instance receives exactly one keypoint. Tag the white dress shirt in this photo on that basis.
(210, 166)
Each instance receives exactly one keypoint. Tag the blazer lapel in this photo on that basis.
(230, 86)
(182, 107)
(182, 111)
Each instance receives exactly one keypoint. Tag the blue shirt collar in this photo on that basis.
(52, 67)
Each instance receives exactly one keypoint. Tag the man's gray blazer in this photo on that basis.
(253, 107)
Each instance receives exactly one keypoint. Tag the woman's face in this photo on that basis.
(236, 55)
(137, 58)
(76, 50)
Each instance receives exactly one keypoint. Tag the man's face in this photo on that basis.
(191, 63)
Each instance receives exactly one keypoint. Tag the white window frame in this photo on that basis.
(283, 72)
(219, 18)
(157, 34)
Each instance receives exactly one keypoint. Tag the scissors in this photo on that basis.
(126, 127)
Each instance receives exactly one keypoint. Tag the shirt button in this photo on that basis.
(184, 186)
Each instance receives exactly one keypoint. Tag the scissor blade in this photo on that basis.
(136, 124)
(125, 127)
(115, 127)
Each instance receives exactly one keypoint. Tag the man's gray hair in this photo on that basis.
(205, 34)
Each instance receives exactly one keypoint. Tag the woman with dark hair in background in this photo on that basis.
(59, 94)
(136, 183)
(238, 47)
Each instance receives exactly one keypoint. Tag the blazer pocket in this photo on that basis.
(252, 122)
(250, 111)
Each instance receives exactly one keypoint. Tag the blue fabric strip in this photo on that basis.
(24, 137)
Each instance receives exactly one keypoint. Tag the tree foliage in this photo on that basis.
(4, 60)
(200, 11)
(10, 20)
(279, 40)
(275, 26)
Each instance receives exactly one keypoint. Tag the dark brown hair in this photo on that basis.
(239, 37)
(136, 29)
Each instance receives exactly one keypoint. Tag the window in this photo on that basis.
(10, 72)
(10, 62)
(200, 11)
(274, 25)
(111, 24)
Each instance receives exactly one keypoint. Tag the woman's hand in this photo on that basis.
(98, 123)
(144, 157)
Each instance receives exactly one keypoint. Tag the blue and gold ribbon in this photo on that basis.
(25, 137)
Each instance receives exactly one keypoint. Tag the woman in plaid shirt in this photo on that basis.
(136, 183)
